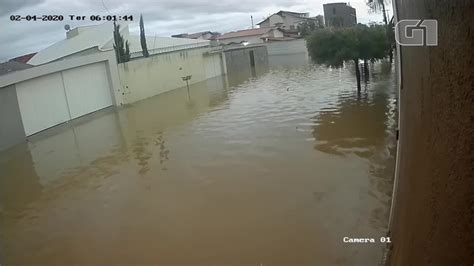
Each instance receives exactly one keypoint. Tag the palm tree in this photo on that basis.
(378, 6)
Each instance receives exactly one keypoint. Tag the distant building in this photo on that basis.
(251, 36)
(204, 35)
(286, 20)
(339, 15)
(24, 58)
(12, 66)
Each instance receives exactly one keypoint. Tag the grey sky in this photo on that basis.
(163, 17)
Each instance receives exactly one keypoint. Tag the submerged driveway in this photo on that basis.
(274, 169)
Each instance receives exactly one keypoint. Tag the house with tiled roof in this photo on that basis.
(287, 20)
(204, 35)
(250, 36)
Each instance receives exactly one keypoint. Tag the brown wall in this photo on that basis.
(433, 221)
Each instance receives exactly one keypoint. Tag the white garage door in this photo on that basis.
(87, 89)
(42, 103)
(56, 98)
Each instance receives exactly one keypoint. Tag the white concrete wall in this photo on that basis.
(146, 77)
(250, 39)
(286, 47)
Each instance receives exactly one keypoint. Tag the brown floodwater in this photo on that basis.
(273, 169)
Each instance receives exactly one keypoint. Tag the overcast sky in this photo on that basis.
(162, 17)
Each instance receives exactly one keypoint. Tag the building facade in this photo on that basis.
(286, 20)
(250, 36)
(339, 15)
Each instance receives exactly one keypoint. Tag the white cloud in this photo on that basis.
(163, 18)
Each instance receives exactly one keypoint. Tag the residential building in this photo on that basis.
(286, 20)
(339, 15)
(79, 75)
(250, 36)
(94, 39)
(204, 35)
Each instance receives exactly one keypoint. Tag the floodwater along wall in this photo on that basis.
(246, 61)
(146, 77)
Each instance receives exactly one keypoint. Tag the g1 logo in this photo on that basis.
(415, 32)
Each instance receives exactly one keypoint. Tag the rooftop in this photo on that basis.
(244, 33)
(87, 37)
(291, 13)
(194, 35)
(101, 37)
(12, 66)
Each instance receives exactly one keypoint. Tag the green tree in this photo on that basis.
(143, 38)
(373, 44)
(121, 47)
(334, 46)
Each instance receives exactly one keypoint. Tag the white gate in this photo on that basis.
(50, 100)
(87, 89)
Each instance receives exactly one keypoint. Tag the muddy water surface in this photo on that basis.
(273, 169)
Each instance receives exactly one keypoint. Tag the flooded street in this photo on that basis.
(273, 169)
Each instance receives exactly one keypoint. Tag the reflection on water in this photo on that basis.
(273, 169)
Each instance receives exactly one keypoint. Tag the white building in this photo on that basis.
(88, 40)
(250, 36)
(286, 20)
(79, 75)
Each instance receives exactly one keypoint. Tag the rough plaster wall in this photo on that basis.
(433, 222)
(287, 47)
(146, 77)
(11, 126)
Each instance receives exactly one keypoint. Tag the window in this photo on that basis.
(334, 11)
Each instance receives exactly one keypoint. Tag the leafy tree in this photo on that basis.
(373, 44)
(121, 47)
(334, 46)
(306, 27)
(143, 38)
